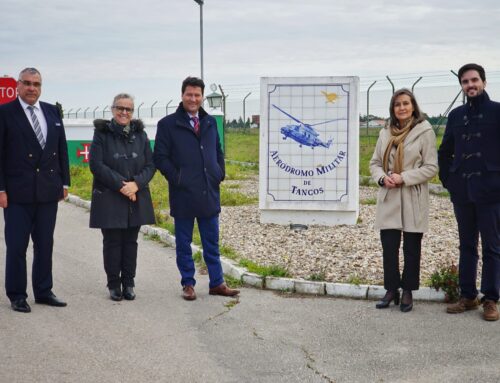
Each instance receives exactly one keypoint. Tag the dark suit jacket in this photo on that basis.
(469, 155)
(27, 173)
(193, 166)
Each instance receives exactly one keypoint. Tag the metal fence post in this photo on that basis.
(368, 106)
(152, 106)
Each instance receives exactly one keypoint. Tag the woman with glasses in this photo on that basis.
(404, 160)
(122, 164)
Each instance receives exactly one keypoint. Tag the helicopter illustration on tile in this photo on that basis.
(304, 133)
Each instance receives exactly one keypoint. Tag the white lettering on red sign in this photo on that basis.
(7, 92)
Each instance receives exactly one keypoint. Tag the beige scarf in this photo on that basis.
(398, 136)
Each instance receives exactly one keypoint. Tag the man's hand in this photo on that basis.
(3, 200)
(65, 194)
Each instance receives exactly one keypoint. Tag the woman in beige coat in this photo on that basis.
(403, 162)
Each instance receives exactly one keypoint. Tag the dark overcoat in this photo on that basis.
(28, 173)
(193, 166)
(116, 157)
(469, 155)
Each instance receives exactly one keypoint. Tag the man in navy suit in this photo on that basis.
(34, 177)
(188, 153)
(469, 167)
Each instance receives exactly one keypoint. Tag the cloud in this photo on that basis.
(88, 49)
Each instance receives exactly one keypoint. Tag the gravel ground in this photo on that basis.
(335, 254)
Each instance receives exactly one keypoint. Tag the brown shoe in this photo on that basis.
(490, 310)
(463, 305)
(188, 293)
(223, 290)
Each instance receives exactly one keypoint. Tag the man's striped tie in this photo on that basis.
(196, 123)
(36, 127)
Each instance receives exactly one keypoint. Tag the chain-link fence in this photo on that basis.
(436, 92)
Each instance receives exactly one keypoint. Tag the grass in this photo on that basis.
(242, 146)
(231, 198)
(228, 252)
(199, 261)
(231, 303)
(240, 172)
(355, 279)
(232, 282)
(368, 201)
(81, 182)
(152, 237)
(317, 277)
(264, 271)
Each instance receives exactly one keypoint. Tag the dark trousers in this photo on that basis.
(21, 222)
(209, 232)
(473, 219)
(120, 256)
(412, 243)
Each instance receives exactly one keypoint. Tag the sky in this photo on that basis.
(89, 50)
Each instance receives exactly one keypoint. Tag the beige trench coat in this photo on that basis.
(407, 207)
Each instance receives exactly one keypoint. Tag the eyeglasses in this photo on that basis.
(29, 83)
(123, 109)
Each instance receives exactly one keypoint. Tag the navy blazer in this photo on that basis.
(27, 173)
(469, 155)
(193, 166)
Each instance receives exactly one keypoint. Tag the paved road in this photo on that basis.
(263, 337)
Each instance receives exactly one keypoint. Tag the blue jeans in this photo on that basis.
(473, 219)
(209, 232)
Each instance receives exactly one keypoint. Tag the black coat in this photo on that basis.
(27, 173)
(192, 165)
(116, 157)
(469, 155)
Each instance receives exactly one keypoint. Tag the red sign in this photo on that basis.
(8, 90)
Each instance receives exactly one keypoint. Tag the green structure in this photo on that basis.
(79, 136)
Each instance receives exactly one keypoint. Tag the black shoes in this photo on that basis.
(115, 294)
(406, 301)
(390, 295)
(20, 305)
(128, 293)
(51, 300)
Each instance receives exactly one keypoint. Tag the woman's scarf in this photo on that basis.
(120, 128)
(397, 139)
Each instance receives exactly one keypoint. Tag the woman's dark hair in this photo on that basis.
(417, 114)
(468, 67)
(193, 81)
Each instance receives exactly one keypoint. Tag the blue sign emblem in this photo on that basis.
(304, 133)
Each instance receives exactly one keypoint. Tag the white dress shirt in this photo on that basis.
(39, 114)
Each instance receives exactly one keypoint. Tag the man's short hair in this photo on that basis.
(471, 66)
(193, 81)
(30, 71)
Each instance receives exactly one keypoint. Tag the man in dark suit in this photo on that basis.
(34, 177)
(469, 167)
(188, 153)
